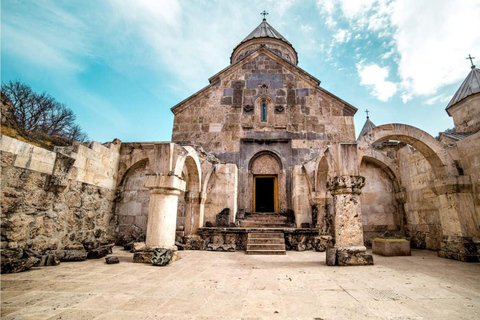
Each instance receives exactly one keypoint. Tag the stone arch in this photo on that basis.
(265, 159)
(133, 202)
(188, 167)
(267, 164)
(383, 198)
(134, 166)
(431, 149)
(322, 206)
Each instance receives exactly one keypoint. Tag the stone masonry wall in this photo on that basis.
(380, 210)
(229, 111)
(470, 160)
(222, 192)
(422, 217)
(51, 200)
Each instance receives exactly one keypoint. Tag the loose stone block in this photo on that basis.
(112, 260)
(391, 247)
(331, 256)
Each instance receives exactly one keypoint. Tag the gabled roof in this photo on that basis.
(349, 110)
(470, 85)
(368, 126)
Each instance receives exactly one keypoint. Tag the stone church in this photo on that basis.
(263, 151)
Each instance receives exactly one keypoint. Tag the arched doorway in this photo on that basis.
(267, 181)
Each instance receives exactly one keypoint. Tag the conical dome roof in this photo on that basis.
(470, 85)
(265, 34)
(265, 30)
(368, 126)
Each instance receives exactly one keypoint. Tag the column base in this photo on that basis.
(145, 255)
(348, 256)
(466, 249)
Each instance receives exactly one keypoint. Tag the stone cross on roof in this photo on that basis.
(264, 14)
(471, 61)
(366, 111)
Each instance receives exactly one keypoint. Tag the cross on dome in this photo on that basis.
(264, 14)
(471, 61)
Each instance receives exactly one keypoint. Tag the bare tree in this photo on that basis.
(41, 113)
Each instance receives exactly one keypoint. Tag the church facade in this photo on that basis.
(262, 148)
(265, 137)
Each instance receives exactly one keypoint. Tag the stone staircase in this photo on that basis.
(266, 243)
(265, 220)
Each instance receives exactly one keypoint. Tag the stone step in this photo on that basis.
(266, 241)
(266, 225)
(265, 246)
(266, 217)
(265, 252)
(265, 235)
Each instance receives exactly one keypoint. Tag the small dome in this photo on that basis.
(266, 35)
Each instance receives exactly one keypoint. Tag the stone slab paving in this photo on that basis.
(233, 285)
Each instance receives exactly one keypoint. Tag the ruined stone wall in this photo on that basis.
(51, 200)
(470, 160)
(380, 210)
(422, 217)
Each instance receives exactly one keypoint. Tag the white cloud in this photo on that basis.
(388, 54)
(342, 36)
(439, 98)
(433, 48)
(375, 77)
(355, 8)
(306, 28)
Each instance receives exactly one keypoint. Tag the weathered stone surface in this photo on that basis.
(100, 252)
(353, 257)
(162, 257)
(331, 256)
(321, 243)
(223, 218)
(194, 244)
(69, 255)
(143, 257)
(15, 265)
(112, 260)
(391, 247)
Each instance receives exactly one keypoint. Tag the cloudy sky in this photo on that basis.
(121, 65)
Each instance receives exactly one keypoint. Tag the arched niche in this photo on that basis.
(133, 202)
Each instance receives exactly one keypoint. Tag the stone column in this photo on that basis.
(349, 246)
(162, 217)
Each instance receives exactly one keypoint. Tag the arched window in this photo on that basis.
(264, 111)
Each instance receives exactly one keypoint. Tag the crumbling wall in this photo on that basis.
(421, 207)
(52, 200)
(380, 211)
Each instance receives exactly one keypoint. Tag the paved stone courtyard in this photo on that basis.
(224, 285)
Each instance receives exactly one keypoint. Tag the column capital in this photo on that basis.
(346, 184)
(166, 191)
